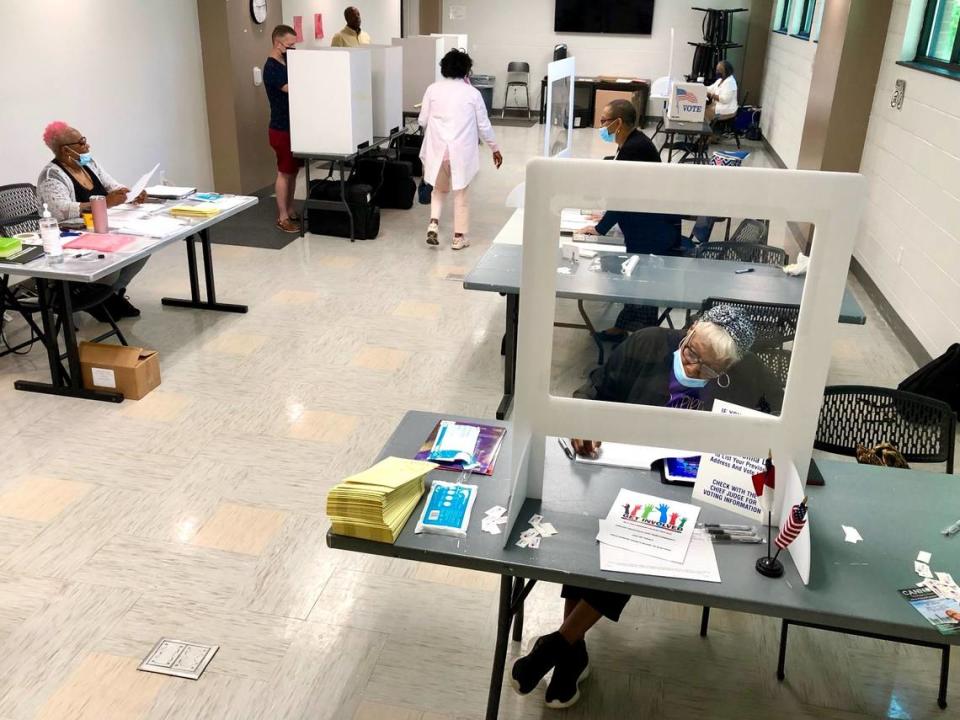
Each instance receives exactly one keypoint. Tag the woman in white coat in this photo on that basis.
(722, 95)
(455, 118)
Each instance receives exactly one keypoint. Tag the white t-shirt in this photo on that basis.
(726, 89)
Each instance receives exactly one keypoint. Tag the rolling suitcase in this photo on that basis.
(366, 214)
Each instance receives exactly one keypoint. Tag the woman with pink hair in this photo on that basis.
(66, 185)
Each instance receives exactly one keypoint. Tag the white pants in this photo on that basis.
(461, 201)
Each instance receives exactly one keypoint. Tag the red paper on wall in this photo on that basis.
(318, 25)
(298, 27)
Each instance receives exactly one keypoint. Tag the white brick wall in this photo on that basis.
(786, 88)
(910, 234)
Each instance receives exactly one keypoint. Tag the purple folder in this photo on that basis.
(486, 451)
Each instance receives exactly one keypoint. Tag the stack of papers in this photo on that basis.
(170, 192)
(640, 457)
(198, 210)
(648, 535)
(376, 504)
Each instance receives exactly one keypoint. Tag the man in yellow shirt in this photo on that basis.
(351, 35)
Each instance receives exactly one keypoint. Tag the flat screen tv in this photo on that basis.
(625, 17)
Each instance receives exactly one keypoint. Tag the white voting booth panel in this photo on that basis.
(421, 66)
(688, 101)
(558, 131)
(831, 201)
(386, 72)
(452, 41)
(331, 109)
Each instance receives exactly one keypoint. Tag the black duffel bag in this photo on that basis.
(408, 150)
(366, 214)
(392, 181)
(938, 379)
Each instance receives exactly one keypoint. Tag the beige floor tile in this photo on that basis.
(418, 310)
(240, 529)
(368, 710)
(323, 426)
(385, 359)
(104, 686)
(159, 405)
(294, 297)
(457, 577)
(447, 271)
(40, 498)
(236, 344)
(339, 262)
(212, 697)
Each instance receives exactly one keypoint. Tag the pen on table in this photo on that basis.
(566, 448)
(744, 270)
(726, 527)
(725, 531)
(748, 539)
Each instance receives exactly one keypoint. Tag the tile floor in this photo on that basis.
(198, 512)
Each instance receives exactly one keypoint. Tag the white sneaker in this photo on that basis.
(433, 230)
(460, 242)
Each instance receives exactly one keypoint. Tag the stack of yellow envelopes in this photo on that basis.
(200, 210)
(376, 504)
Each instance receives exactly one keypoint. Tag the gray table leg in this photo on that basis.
(518, 608)
(944, 677)
(704, 621)
(510, 355)
(195, 301)
(500, 651)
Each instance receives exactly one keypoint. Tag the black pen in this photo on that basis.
(566, 448)
(741, 272)
(751, 539)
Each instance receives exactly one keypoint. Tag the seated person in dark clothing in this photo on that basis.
(655, 366)
(643, 232)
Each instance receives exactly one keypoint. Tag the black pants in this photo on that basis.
(608, 604)
(637, 317)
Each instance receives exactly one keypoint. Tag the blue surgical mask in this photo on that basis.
(84, 159)
(680, 374)
(607, 136)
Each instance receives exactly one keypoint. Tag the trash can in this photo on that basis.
(485, 84)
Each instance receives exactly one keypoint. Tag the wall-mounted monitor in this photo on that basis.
(622, 17)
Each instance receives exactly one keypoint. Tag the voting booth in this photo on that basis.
(558, 132)
(831, 202)
(386, 72)
(688, 101)
(331, 110)
(452, 41)
(421, 66)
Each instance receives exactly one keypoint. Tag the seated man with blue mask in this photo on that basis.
(643, 232)
(654, 366)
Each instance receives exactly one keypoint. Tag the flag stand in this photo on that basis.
(770, 566)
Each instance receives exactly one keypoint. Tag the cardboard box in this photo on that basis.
(131, 371)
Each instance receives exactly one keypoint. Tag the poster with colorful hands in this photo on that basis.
(649, 525)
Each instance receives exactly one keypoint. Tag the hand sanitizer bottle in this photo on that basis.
(50, 235)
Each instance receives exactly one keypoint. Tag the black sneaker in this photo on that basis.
(529, 670)
(572, 669)
(123, 308)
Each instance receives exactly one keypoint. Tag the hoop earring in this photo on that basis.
(720, 384)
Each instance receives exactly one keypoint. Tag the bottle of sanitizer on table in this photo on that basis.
(50, 235)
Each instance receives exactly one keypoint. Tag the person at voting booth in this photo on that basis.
(722, 95)
(655, 366)
(454, 117)
(275, 83)
(351, 35)
(66, 185)
(643, 233)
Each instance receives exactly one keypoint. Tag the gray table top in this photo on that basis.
(692, 127)
(854, 587)
(81, 270)
(678, 282)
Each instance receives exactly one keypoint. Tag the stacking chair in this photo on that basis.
(774, 324)
(923, 430)
(743, 252)
(751, 231)
(518, 76)
(777, 361)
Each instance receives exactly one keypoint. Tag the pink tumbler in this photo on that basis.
(98, 206)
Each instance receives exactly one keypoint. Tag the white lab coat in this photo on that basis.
(726, 89)
(455, 118)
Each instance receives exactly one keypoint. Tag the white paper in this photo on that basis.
(727, 480)
(546, 529)
(572, 220)
(158, 226)
(102, 377)
(650, 525)
(851, 534)
(455, 443)
(922, 569)
(700, 563)
(924, 557)
(140, 185)
(496, 511)
(170, 191)
(945, 578)
(639, 457)
(789, 483)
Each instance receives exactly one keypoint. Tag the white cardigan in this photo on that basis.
(55, 188)
(455, 117)
(726, 89)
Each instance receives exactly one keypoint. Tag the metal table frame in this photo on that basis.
(699, 130)
(585, 491)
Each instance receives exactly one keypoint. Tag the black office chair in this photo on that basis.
(922, 429)
(774, 324)
(518, 76)
(755, 232)
(742, 252)
(777, 361)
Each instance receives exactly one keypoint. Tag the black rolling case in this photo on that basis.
(392, 180)
(366, 214)
(408, 149)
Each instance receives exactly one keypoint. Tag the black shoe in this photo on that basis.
(99, 312)
(611, 337)
(573, 668)
(529, 670)
(120, 307)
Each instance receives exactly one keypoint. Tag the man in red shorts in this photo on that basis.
(275, 81)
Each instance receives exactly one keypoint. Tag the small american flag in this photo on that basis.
(788, 533)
